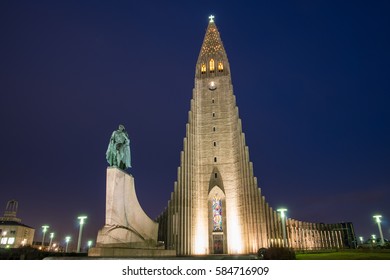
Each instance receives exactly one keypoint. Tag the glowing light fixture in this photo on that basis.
(211, 17)
(283, 218)
(200, 241)
(44, 229)
(378, 221)
(51, 240)
(81, 218)
(67, 239)
(235, 240)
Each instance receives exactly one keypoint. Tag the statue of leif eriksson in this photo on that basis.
(118, 151)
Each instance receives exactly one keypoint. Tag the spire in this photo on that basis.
(212, 60)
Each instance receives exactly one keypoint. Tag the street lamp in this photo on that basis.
(81, 218)
(51, 240)
(283, 217)
(378, 220)
(44, 229)
(89, 243)
(67, 239)
(361, 239)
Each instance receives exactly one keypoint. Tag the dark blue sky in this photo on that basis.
(311, 80)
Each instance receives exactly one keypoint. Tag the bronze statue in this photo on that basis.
(118, 151)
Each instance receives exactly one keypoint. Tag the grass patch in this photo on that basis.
(346, 255)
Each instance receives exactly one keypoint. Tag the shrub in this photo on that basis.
(261, 253)
(277, 253)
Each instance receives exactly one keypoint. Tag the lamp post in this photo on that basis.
(51, 240)
(283, 217)
(361, 239)
(44, 229)
(378, 220)
(67, 239)
(89, 244)
(81, 218)
(373, 236)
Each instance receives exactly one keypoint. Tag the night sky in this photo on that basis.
(311, 78)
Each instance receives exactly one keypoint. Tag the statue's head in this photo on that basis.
(121, 127)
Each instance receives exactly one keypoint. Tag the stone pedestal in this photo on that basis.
(128, 231)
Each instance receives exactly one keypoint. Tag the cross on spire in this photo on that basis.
(211, 17)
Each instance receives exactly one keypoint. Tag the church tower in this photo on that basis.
(216, 193)
(216, 206)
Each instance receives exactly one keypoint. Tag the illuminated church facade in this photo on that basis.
(216, 206)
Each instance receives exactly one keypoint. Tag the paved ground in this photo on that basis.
(208, 257)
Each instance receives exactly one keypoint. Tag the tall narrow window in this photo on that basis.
(220, 67)
(217, 213)
(203, 68)
(215, 159)
(215, 175)
(212, 66)
(212, 101)
(215, 144)
(214, 128)
(213, 114)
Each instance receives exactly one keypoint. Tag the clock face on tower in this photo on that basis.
(212, 85)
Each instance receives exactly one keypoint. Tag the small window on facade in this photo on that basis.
(203, 68)
(215, 159)
(214, 128)
(215, 144)
(212, 101)
(213, 115)
(212, 66)
(220, 67)
(215, 175)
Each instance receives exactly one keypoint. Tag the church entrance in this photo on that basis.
(217, 243)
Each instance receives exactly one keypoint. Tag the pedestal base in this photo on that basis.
(128, 230)
(130, 252)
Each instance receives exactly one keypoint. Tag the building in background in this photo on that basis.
(216, 206)
(13, 233)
